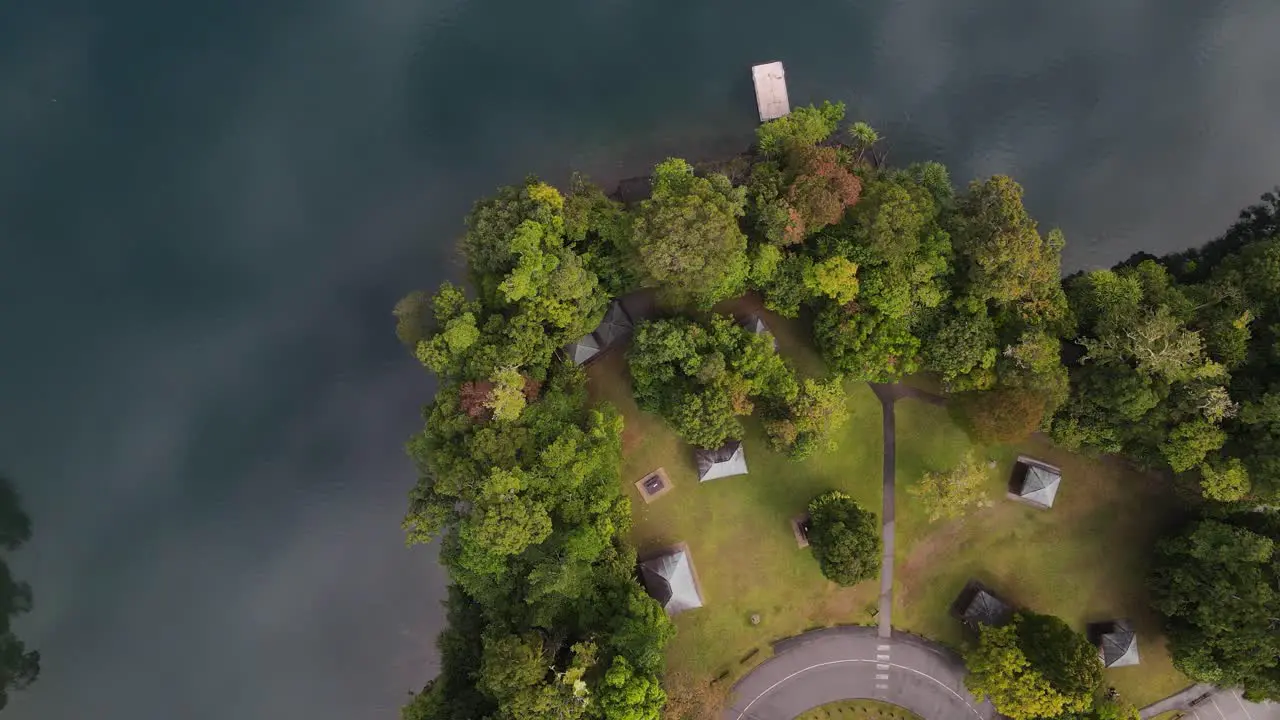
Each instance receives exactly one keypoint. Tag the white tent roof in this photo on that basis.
(669, 579)
(755, 324)
(1119, 647)
(725, 461)
(1040, 485)
(583, 350)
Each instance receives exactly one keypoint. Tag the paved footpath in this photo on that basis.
(824, 666)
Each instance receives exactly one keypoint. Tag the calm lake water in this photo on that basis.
(208, 209)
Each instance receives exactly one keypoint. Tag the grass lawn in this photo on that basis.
(738, 529)
(859, 710)
(1085, 560)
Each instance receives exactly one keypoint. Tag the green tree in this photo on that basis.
(866, 345)
(805, 125)
(863, 137)
(1000, 670)
(810, 422)
(19, 666)
(599, 229)
(962, 349)
(687, 235)
(956, 492)
(835, 278)
(1188, 443)
(1224, 481)
(845, 538)
(1063, 656)
(1005, 259)
(624, 694)
(507, 399)
(1146, 385)
(1215, 585)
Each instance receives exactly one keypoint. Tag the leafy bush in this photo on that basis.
(806, 125)
(956, 492)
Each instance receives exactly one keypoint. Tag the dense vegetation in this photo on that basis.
(19, 666)
(519, 480)
(1218, 585)
(1172, 362)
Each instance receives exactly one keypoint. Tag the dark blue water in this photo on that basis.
(208, 209)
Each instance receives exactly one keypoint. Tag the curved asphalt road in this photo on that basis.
(824, 666)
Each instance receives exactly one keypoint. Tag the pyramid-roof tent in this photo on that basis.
(616, 326)
(725, 461)
(1035, 483)
(1118, 644)
(671, 580)
(755, 324)
(584, 349)
(979, 605)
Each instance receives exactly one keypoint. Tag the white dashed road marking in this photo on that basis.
(743, 713)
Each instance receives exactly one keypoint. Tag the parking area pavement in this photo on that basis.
(1229, 705)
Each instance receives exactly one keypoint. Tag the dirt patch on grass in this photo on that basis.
(925, 553)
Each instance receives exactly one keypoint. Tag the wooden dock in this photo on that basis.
(771, 90)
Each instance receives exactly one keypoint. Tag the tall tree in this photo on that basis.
(687, 235)
(810, 421)
(1003, 256)
(804, 192)
(1034, 667)
(1146, 385)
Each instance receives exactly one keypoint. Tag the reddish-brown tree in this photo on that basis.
(1000, 415)
(821, 188)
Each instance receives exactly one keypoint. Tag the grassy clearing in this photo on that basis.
(1085, 560)
(738, 529)
(859, 710)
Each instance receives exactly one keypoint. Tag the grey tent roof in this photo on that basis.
(725, 461)
(986, 608)
(1040, 486)
(755, 324)
(583, 350)
(1118, 645)
(615, 326)
(669, 579)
